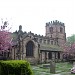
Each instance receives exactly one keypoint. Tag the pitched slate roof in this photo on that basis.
(48, 47)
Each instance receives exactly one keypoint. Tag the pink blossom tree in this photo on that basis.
(5, 38)
(69, 48)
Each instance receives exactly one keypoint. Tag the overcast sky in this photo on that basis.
(33, 14)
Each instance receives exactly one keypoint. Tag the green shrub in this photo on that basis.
(15, 67)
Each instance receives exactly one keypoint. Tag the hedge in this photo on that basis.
(15, 67)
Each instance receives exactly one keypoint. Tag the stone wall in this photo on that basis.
(56, 36)
(60, 36)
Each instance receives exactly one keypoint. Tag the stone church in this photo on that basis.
(38, 48)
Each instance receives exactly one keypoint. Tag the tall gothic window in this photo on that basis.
(29, 48)
(51, 29)
(61, 30)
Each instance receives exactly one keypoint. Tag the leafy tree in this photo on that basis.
(71, 39)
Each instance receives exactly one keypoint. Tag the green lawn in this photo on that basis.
(61, 69)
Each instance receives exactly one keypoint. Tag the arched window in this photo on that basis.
(61, 30)
(51, 29)
(29, 48)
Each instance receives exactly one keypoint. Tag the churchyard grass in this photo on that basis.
(61, 69)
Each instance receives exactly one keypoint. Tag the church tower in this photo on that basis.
(56, 30)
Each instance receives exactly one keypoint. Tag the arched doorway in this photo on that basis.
(29, 48)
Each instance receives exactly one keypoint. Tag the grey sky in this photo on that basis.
(33, 14)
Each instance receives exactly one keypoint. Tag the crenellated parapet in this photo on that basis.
(56, 22)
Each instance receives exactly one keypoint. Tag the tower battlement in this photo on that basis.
(56, 22)
(56, 29)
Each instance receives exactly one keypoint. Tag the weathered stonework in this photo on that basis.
(39, 49)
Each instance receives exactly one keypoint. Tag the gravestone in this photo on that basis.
(52, 66)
